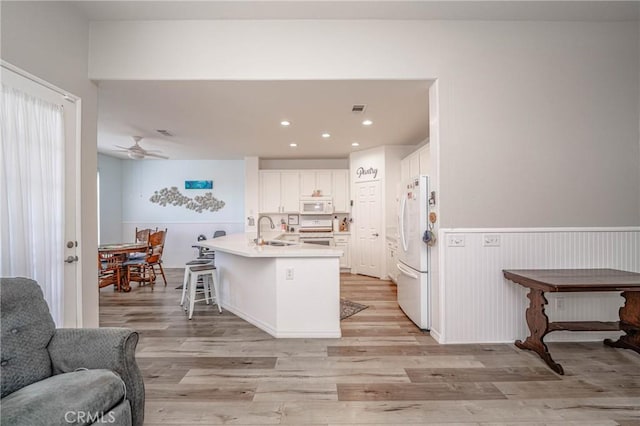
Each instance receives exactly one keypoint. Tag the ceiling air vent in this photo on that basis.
(358, 108)
(164, 132)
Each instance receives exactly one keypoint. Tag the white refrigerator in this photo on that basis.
(414, 290)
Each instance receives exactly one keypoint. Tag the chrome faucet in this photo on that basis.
(258, 240)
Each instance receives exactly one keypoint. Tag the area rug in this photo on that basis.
(348, 308)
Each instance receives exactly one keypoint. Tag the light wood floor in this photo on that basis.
(219, 369)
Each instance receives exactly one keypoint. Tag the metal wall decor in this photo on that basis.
(200, 203)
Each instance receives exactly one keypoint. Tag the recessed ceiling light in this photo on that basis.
(367, 123)
(285, 123)
(355, 144)
(293, 145)
(326, 135)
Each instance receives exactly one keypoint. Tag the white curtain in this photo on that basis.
(32, 193)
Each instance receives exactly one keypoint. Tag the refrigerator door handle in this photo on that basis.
(406, 271)
(403, 206)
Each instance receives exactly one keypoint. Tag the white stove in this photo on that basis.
(315, 230)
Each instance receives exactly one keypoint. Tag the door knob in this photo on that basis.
(71, 259)
(375, 235)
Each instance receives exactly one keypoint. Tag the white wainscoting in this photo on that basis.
(180, 237)
(477, 304)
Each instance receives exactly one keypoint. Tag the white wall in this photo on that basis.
(252, 193)
(140, 179)
(50, 41)
(532, 113)
(110, 169)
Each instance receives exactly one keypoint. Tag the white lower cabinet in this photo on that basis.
(392, 260)
(343, 242)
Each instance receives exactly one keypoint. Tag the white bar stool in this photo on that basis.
(187, 272)
(203, 271)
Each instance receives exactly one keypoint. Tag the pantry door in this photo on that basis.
(368, 250)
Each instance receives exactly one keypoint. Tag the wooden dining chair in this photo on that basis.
(142, 235)
(109, 267)
(144, 270)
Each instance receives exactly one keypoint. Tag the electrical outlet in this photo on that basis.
(560, 304)
(491, 240)
(289, 273)
(455, 240)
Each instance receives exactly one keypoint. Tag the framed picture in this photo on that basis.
(294, 219)
(198, 184)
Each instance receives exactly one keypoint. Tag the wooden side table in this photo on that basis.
(539, 281)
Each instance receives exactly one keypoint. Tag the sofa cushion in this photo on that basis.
(78, 398)
(27, 328)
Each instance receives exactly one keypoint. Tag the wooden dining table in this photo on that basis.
(123, 250)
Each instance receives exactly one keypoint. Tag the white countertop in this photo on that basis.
(243, 245)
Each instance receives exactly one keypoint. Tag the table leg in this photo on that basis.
(538, 323)
(126, 285)
(629, 323)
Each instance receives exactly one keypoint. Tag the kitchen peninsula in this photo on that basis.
(287, 290)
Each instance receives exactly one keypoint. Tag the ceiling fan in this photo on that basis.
(136, 152)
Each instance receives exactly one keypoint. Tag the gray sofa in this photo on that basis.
(63, 376)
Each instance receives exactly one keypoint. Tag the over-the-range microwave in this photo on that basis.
(316, 205)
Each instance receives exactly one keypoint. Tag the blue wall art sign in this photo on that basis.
(198, 184)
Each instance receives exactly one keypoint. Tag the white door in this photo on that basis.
(369, 244)
(51, 235)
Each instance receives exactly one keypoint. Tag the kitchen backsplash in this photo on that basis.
(278, 218)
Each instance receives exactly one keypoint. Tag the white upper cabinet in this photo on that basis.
(324, 182)
(316, 180)
(416, 163)
(340, 191)
(289, 191)
(405, 169)
(270, 192)
(279, 191)
(425, 158)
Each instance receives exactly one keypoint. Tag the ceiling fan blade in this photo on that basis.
(150, 154)
(123, 147)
